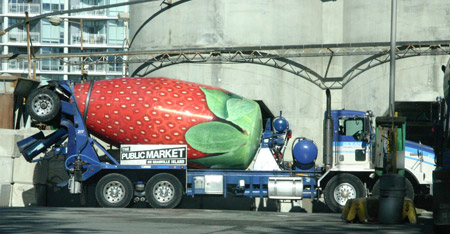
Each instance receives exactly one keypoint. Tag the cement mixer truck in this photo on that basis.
(173, 138)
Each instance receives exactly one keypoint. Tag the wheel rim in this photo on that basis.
(163, 191)
(114, 192)
(42, 104)
(343, 192)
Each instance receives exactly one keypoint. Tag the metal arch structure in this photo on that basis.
(280, 57)
(238, 56)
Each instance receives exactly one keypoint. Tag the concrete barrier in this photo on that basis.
(21, 183)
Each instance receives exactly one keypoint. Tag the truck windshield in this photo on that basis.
(348, 127)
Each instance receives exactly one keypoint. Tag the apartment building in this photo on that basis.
(102, 31)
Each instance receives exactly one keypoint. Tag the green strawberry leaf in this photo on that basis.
(216, 101)
(242, 112)
(247, 115)
(215, 137)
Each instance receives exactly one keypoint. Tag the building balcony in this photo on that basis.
(21, 36)
(88, 39)
(99, 12)
(20, 8)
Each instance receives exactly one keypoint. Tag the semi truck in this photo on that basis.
(222, 148)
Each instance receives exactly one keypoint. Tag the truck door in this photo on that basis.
(350, 148)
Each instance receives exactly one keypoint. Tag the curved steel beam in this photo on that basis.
(169, 6)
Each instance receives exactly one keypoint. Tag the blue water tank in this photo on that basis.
(280, 124)
(305, 153)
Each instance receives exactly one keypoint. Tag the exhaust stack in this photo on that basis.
(328, 134)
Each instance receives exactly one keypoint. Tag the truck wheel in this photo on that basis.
(43, 105)
(340, 189)
(163, 191)
(409, 189)
(114, 190)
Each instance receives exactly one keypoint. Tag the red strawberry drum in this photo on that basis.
(221, 129)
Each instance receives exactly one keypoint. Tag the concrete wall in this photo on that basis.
(203, 23)
(21, 183)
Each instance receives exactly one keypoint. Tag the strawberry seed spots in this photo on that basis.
(149, 92)
(149, 126)
(162, 94)
(107, 116)
(193, 120)
(129, 87)
(140, 99)
(194, 154)
(198, 94)
(154, 113)
(179, 118)
(176, 95)
(127, 139)
(183, 92)
(162, 130)
(146, 118)
(136, 111)
(116, 99)
(154, 135)
(93, 114)
(134, 92)
(139, 122)
(115, 134)
(181, 142)
(135, 137)
(189, 99)
(109, 126)
(116, 112)
(167, 115)
(122, 131)
(98, 91)
(158, 122)
(143, 132)
(117, 86)
(170, 90)
(109, 91)
(155, 99)
(102, 98)
(178, 87)
(169, 103)
(121, 92)
(116, 122)
(124, 106)
(143, 87)
(157, 87)
(146, 140)
(147, 105)
(98, 121)
(168, 137)
(138, 83)
(127, 117)
(131, 128)
(171, 125)
(103, 130)
(128, 98)
(176, 133)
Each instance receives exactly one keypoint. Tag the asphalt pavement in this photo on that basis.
(148, 220)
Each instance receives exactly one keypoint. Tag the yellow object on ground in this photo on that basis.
(365, 210)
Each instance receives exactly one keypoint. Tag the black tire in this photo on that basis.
(409, 189)
(163, 191)
(114, 190)
(340, 189)
(43, 105)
